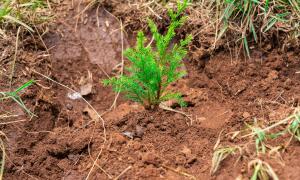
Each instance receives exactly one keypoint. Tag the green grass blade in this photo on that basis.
(255, 173)
(246, 46)
(13, 19)
(26, 85)
(253, 30)
(19, 101)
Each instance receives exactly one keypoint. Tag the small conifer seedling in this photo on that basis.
(153, 69)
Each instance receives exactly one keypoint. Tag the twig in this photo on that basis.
(102, 120)
(11, 122)
(49, 5)
(180, 172)
(90, 4)
(123, 172)
(113, 106)
(3, 158)
(15, 58)
(272, 126)
(218, 140)
(98, 156)
(154, 12)
(21, 169)
(98, 25)
(165, 107)
(94, 164)
(2, 116)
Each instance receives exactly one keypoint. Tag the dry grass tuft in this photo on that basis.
(221, 154)
(262, 170)
(232, 24)
(260, 139)
(26, 13)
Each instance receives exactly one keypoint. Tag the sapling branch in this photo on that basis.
(153, 69)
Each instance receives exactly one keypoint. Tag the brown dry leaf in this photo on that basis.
(86, 84)
(86, 89)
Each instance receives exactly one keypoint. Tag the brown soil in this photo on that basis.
(66, 136)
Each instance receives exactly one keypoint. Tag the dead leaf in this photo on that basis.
(128, 134)
(86, 89)
(86, 84)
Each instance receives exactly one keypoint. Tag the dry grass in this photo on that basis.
(25, 13)
(291, 124)
(3, 155)
(17, 18)
(14, 95)
(262, 170)
(221, 154)
(253, 22)
(294, 127)
(259, 137)
(232, 24)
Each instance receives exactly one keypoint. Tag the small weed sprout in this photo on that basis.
(259, 136)
(14, 95)
(152, 70)
(262, 170)
(221, 154)
(294, 127)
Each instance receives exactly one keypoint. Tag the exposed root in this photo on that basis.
(123, 172)
(180, 172)
(121, 72)
(165, 107)
(15, 59)
(3, 158)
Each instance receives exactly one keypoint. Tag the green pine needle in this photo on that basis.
(153, 69)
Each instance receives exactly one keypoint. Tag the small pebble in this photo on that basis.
(69, 107)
